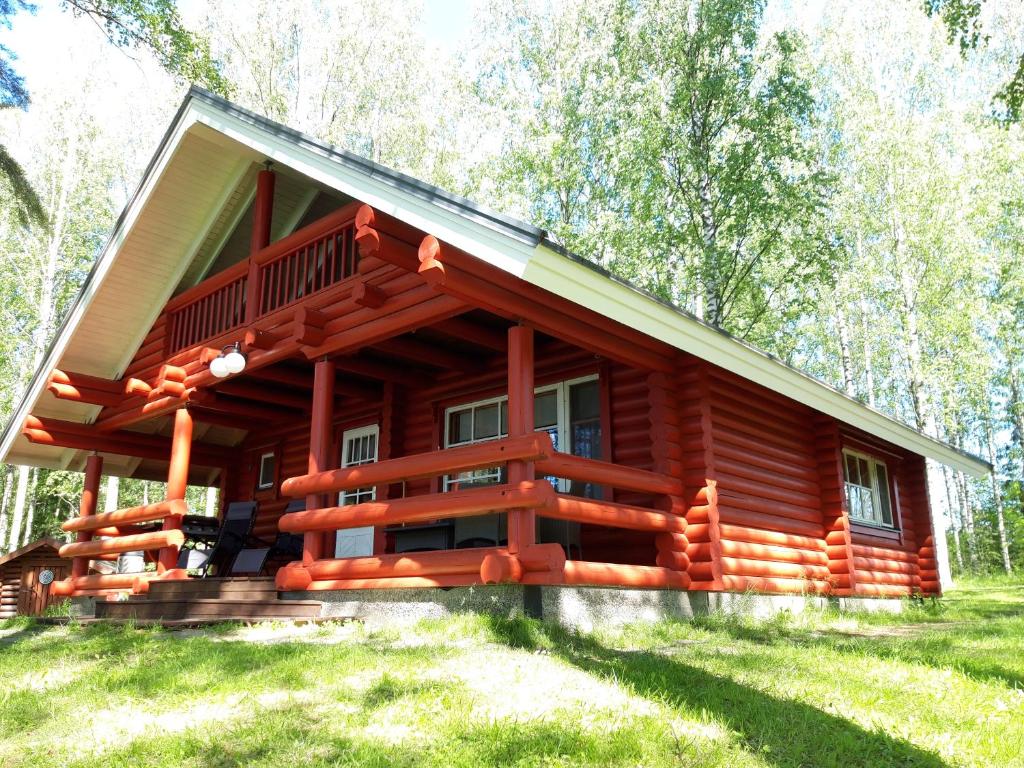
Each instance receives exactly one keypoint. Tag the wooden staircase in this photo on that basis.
(204, 601)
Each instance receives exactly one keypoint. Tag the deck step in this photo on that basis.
(253, 588)
(208, 608)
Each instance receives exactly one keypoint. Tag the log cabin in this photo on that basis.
(451, 397)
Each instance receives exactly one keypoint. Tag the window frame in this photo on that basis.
(873, 463)
(353, 433)
(260, 484)
(562, 423)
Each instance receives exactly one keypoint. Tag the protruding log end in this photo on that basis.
(292, 578)
(501, 569)
(430, 249)
(174, 574)
(63, 588)
(677, 561)
(368, 240)
(365, 217)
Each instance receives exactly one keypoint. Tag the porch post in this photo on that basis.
(87, 507)
(521, 523)
(262, 210)
(177, 481)
(321, 420)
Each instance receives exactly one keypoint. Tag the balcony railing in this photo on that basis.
(306, 262)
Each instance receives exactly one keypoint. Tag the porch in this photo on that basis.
(359, 329)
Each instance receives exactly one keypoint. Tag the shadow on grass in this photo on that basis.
(26, 631)
(781, 731)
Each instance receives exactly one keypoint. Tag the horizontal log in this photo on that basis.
(605, 473)
(70, 586)
(96, 383)
(608, 513)
(780, 585)
(421, 508)
(141, 514)
(155, 540)
(878, 564)
(401, 582)
(882, 590)
(744, 567)
(884, 577)
(861, 550)
(672, 542)
(84, 395)
(421, 465)
(768, 552)
(583, 572)
(727, 514)
(777, 538)
(677, 561)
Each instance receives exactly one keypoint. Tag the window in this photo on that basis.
(867, 490)
(569, 411)
(267, 465)
(359, 446)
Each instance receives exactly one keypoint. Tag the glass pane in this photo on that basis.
(504, 417)
(485, 422)
(584, 401)
(865, 473)
(883, 494)
(545, 409)
(266, 470)
(852, 476)
(853, 500)
(460, 426)
(867, 505)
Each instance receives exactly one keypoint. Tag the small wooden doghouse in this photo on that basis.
(24, 583)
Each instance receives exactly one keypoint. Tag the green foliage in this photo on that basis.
(155, 26)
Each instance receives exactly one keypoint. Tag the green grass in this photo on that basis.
(940, 685)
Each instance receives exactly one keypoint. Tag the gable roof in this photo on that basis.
(44, 542)
(209, 147)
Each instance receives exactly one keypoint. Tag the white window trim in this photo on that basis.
(350, 434)
(260, 485)
(562, 419)
(873, 462)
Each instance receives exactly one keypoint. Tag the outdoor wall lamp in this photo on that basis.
(229, 361)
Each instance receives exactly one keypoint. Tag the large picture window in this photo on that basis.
(569, 411)
(867, 490)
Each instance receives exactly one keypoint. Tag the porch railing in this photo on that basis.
(306, 262)
(538, 563)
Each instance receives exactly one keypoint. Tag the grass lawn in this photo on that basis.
(937, 686)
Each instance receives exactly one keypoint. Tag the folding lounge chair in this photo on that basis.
(251, 561)
(235, 532)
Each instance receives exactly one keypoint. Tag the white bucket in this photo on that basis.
(131, 562)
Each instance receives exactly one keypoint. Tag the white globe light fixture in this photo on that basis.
(234, 360)
(229, 361)
(219, 367)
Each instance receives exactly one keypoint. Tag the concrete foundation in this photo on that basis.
(581, 608)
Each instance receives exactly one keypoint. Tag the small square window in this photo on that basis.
(267, 465)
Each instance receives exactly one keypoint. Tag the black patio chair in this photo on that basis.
(234, 534)
(251, 561)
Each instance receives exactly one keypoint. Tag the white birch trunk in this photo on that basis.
(4, 519)
(31, 516)
(953, 505)
(211, 501)
(997, 499)
(20, 495)
(113, 489)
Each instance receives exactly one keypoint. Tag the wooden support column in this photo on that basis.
(177, 482)
(87, 507)
(321, 422)
(262, 209)
(521, 523)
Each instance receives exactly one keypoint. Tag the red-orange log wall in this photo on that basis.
(767, 509)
